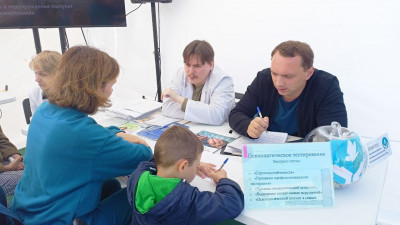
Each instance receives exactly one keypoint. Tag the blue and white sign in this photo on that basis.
(378, 149)
(293, 175)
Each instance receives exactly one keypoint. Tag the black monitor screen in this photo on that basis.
(62, 13)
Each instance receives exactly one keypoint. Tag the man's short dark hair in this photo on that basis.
(294, 48)
(201, 49)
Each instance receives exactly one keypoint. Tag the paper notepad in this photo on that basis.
(232, 167)
(268, 137)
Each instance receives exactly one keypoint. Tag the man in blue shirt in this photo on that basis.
(292, 95)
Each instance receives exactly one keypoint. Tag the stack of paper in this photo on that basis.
(268, 137)
(134, 109)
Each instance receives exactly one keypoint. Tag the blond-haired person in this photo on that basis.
(69, 156)
(43, 65)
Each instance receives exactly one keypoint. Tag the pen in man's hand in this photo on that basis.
(259, 112)
(223, 164)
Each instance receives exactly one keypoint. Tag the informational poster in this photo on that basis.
(378, 149)
(293, 175)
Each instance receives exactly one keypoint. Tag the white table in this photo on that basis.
(389, 210)
(357, 204)
(6, 97)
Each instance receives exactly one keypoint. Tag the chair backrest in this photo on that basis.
(7, 217)
(27, 110)
(238, 95)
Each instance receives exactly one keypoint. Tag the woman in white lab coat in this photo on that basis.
(200, 92)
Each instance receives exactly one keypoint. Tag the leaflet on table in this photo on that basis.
(134, 109)
(293, 175)
(378, 149)
(268, 137)
(129, 127)
(113, 121)
(154, 132)
(214, 141)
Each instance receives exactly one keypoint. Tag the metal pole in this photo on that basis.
(63, 39)
(156, 50)
(36, 38)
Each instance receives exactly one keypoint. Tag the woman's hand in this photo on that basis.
(131, 138)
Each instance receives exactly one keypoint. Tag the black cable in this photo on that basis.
(84, 36)
(66, 38)
(159, 34)
(134, 9)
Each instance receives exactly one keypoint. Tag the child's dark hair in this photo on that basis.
(177, 143)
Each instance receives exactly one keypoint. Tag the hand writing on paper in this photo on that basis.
(217, 175)
(257, 126)
(131, 138)
(171, 94)
(16, 164)
(205, 169)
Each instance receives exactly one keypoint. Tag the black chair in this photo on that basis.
(238, 95)
(27, 110)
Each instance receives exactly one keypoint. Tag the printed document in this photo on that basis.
(268, 137)
(293, 175)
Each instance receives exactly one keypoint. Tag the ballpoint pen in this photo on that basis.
(259, 112)
(223, 164)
